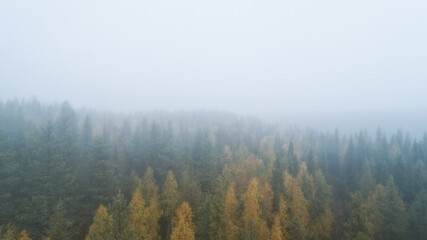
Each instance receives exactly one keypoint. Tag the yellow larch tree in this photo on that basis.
(153, 214)
(276, 229)
(183, 226)
(284, 218)
(254, 227)
(150, 193)
(138, 215)
(24, 236)
(323, 226)
(297, 203)
(231, 207)
(170, 199)
(101, 226)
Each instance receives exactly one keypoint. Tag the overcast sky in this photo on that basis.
(245, 56)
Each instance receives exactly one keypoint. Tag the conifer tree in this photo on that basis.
(418, 217)
(150, 192)
(253, 226)
(24, 236)
(9, 232)
(190, 191)
(276, 229)
(170, 199)
(59, 225)
(284, 218)
(101, 226)
(357, 224)
(152, 218)
(298, 205)
(183, 226)
(138, 215)
(149, 188)
(231, 208)
(120, 226)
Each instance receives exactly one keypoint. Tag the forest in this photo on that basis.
(70, 173)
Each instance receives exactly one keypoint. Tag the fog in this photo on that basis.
(272, 59)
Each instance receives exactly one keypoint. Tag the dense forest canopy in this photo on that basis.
(85, 174)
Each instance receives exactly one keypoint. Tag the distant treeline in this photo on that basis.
(67, 174)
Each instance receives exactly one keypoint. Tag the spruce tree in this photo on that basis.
(120, 224)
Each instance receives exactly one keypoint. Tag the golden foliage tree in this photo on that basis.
(323, 226)
(276, 229)
(170, 199)
(150, 192)
(253, 226)
(183, 227)
(284, 218)
(153, 214)
(24, 236)
(231, 205)
(101, 226)
(298, 204)
(138, 215)
(149, 188)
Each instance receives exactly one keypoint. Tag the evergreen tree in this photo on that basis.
(357, 224)
(120, 225)
(59, 226)
(293, 163)
(279, 167)
(418, 217)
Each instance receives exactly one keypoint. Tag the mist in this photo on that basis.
(299, 62)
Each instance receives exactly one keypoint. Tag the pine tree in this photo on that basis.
(120, 226)
(59, 225)
(190, 191)
(183, 227)
(418, 217)
(293, 163)
(101, 226)
(101, 176)
(357, 224)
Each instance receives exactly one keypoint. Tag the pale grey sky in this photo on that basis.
(245, 56)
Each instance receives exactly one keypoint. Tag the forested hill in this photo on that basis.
(84, 174)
